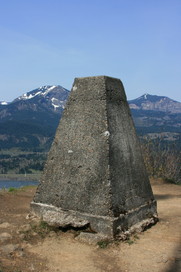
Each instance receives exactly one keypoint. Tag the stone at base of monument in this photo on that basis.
(95, 174)
(108, 227)
(91, 238)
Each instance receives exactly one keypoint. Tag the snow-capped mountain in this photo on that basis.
(155, 103)
(53, 97)
(30, 120)
(44, 90)
(46, 99)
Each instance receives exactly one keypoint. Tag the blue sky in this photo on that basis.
(52, 42)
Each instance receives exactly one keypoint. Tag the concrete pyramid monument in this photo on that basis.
(95, 174)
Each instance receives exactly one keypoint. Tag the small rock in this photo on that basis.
(5, 225)
(5, 236)
(19, 252)
(22, 236)
(52, 234)
(24, 244)
(10, 248)
(33, 218)
(90, 238)
(34, 233)
(28, 245)
(32, 267)
(28, 216)
(162, 259)
(25, 228)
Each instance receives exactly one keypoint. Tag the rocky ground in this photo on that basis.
(27, 244)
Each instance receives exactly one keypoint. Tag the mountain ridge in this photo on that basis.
(50, 87)
(155, 102)
(30, 120)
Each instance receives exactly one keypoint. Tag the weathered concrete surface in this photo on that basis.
(95, 172)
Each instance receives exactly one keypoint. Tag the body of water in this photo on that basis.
(5, 184)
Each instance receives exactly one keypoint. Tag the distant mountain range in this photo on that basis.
(29, 122)
(155, 103)
(157, 117)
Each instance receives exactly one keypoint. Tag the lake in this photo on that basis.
(5, 184)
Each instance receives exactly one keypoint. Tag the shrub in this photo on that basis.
(162, 160)
(12, 189)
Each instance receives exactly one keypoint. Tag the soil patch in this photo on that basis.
(30, 245)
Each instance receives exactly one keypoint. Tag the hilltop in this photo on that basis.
(29, 245)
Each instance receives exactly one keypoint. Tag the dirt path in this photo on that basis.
(156, 250)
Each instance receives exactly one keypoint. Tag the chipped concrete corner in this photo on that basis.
(95, 174)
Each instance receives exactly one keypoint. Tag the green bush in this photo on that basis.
(103, 243)
(12, 189)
